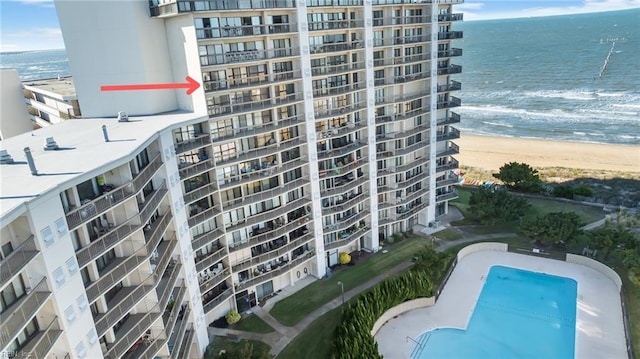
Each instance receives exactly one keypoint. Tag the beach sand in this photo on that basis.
(490, 153)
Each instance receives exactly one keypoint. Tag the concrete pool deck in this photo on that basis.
(599, 322)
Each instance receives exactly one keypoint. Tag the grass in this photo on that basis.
(254, 324)
(539, 207)
(632, 301)
(294, 308)
(222, 343)
(316, 340)
(448, 235)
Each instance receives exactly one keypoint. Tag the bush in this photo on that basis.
(584, 191)
(345, 258)
(564, 192)
(233, 317)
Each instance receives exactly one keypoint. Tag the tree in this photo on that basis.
(497, 204)
(553, 228)
(432, 262)
(520, 177)
(609, 238)
(233, 317)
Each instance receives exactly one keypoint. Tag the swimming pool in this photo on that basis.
(519, 314)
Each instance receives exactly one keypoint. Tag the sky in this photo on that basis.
(33, 24)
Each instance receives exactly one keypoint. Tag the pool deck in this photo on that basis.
(599, 324)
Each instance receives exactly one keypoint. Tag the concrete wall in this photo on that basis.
(114, 43)
(399, 309)
(480, 247)
(14, 118)
(594, 264)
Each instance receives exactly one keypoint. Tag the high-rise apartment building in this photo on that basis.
(321, 127)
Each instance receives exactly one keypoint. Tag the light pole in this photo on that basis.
(342, 289)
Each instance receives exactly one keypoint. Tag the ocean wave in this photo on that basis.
(497, 124)
(626, 105)
(568, 94)
(582, 116)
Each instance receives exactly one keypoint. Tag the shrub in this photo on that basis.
(564, 192)
(345, 258)
(584, 191)
(233, 317)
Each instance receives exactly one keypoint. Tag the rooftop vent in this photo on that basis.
(32, 164)
(50, 144)
(5, 157)
(122, 117)
(105, 133)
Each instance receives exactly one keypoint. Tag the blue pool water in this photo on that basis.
(519, 314)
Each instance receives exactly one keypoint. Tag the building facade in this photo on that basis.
(321, 127)
(51, 101)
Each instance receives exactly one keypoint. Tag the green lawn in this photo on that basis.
(316, 340)
(292, 309)
(448, 235)
(236, 349)
(632, 300)
(252, 323)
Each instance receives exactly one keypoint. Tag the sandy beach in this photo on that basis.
(490, 153)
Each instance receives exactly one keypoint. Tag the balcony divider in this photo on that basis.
(41, 344)
(12, 264)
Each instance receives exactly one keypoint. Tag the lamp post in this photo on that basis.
(342, 289)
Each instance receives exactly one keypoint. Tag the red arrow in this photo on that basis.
(191, 85)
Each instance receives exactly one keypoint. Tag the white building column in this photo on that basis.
(429, 215)
(319, 265)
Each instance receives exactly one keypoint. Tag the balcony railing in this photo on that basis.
(13, 318)
(264, 217)
(259, 129)
(449, 70)
(276, 272)
(345, 222)
(332, 69)
(407, 20)
(178, 335)
(452, 134)
(246, 30)
(341, 206)
(450, 119)
(261, 152)
(206, 238)
(259, 173)
(273, 254)
(200, 192)
(12, 264)
(453, 102)
(195, 169)
(450, 53)
(213, 281)
(132, 329)
(314, 3)
(200, 141)
(343, 46)
(171, 319)
(40, 345)
(217, 300)
(447, 181)
(450, 17)
(345, 187)
(451, 165)
(321, 113)
(400, 2)
(450, 35)
(250, 81)
(451, 149)
(447, 196)
(182, 6)
(247, 56)
(270, 234)
(185, 347)
(335, 24)
(345, 241)
(412, 77)
(210, 259)
(265, 195)
(451, 86)
(341, 151)
(204, 215)
(252, 106)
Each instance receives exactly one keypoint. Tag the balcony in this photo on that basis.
(407, 20)
(447, 196)
(281, 269)
(452, 164)
(345, 222)
(257, 153)
(243, 82)
(264, 195)
(340, 151)
(267, 233)
(340, 170)
(452, 118)
(453, 102)
(340, 206)
(176, 339)
(259, 172)
(335, 25)
(195, 169)
(129, 333)
(208, 281)
(341, 46)
(273, 253)
(347, 240)
(206, 238)
(323, 113)
(210, 259)
(200, 192)
(246, 30)
(450, 17)
(408, 212)
(166, 283)
(268, 215)
(412, 77)
(259, 129)
(12, 264)
(334, 69)
(182, 6)
(403, 98)
(451, 149)
(450, 35)
(200, 141)
(217, 300)
(449, 70)
(452, 134)
(447, 181)
(170, 317)
(185, 347)
(451, 86)
(99, 205)
(16, 316)
(203, 215)
(236, 57)
(146, 348)
(449, 53)
(42, 342)
(333, 90)
(332, 3)
(344, 187)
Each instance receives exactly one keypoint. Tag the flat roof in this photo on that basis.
(62, 87)
(83, 153)
(599, 322)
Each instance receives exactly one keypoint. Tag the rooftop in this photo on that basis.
(82, 151)
(63, 87)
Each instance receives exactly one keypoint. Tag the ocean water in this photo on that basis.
(534, 77)
(538, 77)
(37, 65)
(519, 314)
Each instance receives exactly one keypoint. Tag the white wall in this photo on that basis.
(112, 43)
(14, 118)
